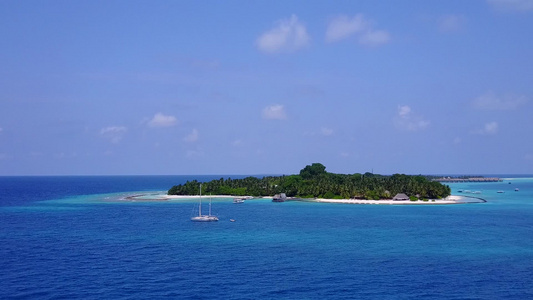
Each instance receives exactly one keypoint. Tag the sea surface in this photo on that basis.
(78, 238)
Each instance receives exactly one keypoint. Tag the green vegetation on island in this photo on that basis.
(314, 182)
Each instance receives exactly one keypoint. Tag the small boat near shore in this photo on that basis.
(239, 200)
(500, 192)
(279, 197)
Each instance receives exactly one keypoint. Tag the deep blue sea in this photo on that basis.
(74, 238)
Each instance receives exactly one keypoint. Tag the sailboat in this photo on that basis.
(204, 218)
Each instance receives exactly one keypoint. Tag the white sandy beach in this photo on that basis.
(453, 199)
(447, 200)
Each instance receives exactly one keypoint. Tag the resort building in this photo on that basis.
(400, 197)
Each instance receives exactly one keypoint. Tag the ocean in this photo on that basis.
(74, 237)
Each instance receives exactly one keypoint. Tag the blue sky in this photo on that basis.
(266, 87)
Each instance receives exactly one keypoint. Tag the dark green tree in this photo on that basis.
(312, 171)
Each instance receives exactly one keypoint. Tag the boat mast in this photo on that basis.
(209, 205)
(200, 207)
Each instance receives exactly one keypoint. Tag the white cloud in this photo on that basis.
(326, 131)
(161, 120)
(491, 128)
(407, 120)
(113, 130)
(343, 27)
(237, 143)
(512, 5)
(488, 129)
(490, 101)
(451, 23)
(192, 137)
(113, 133)
(288, 35)
(274, 112)
(374, 38)
(1, 129)
(404, 111)
(323, 131)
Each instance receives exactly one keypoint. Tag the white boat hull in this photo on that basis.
(204, 219)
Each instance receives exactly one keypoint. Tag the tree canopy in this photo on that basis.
(313, 181)
(313, 171)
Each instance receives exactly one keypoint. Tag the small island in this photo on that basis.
(314, 183)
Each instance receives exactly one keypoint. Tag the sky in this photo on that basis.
(266, 87)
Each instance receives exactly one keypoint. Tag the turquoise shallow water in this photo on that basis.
(64, 239)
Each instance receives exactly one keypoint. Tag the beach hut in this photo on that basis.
(400, 197)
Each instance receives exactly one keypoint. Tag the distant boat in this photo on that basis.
(500, 192)
(279, 197)
(204, 218)
(476, 192)
(239, 200)
(516, 190)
